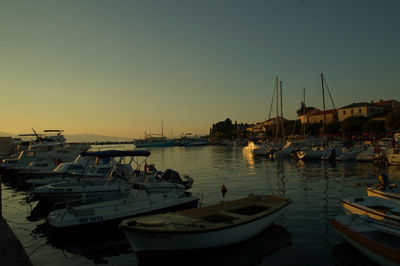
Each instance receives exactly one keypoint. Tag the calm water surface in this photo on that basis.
(303, 236)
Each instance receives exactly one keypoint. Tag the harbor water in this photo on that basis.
(303, 236)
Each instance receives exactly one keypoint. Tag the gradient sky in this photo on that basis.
(119, 68)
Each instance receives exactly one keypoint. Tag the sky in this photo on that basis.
(123, 68)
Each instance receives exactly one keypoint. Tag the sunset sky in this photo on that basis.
(119, 68)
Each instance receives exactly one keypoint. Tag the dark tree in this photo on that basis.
(353, 125)
(373, 126)
(392, 121)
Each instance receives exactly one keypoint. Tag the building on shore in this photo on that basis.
(317, 116)
(360, 109)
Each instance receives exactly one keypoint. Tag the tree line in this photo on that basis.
(352, 126)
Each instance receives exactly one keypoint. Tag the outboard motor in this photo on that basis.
(188, 182)
(383, 180)
(172, 176)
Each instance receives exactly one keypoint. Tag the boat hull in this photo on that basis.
(373, 192)
(99, 219)
(393, 158)
(144, 245)
(358, 238)
(373, 210)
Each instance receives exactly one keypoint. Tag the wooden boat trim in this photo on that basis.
(385, 218)
(196, 214)
(383, 193)
(377, 247)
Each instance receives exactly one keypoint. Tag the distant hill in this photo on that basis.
(5, 134)
(88, 137)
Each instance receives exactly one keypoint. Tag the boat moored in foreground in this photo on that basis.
(379, 209)
(139, 201)
(385, 189)
(379, 246)
(213, 226)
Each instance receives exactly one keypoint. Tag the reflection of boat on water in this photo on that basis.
(93, 246)
(214, 226)
(98, 247)
(345, 254)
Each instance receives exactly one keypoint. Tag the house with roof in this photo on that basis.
(388, 105)
(260, 127)
(359, 109)
(317, 116)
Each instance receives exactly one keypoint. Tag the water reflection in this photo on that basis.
(95, 246)
(345, 254)
(280, 174)
(250, 252)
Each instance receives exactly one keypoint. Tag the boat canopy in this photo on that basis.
(116, 153)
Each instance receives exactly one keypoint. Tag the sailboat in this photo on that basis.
(154, 140)
(318, 152)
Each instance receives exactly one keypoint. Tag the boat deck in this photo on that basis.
(211, 217)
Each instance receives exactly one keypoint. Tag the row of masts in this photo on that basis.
(280, 129)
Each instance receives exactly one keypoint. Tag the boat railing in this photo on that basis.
(77, 202)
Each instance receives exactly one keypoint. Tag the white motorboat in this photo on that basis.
(55, 152)
(315, 153)
(138, 201)
(286, 151)
(350, 154)
(371, 153)
(82, 167)
(256, 148)
(119, 182)
(379, 245)
(393, 156)
(202, 228)
(189, 140)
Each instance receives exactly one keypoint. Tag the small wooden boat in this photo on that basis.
(378, 209)
(379, 246)
(384, 189)
(213, 226)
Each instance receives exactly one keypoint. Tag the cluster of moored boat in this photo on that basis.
(153, 208)
(380, 152)
(372, 223)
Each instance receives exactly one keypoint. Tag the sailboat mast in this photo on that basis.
(283, 129)
(277, 107)
(323, 101)
(162, 128)
(304, 113)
